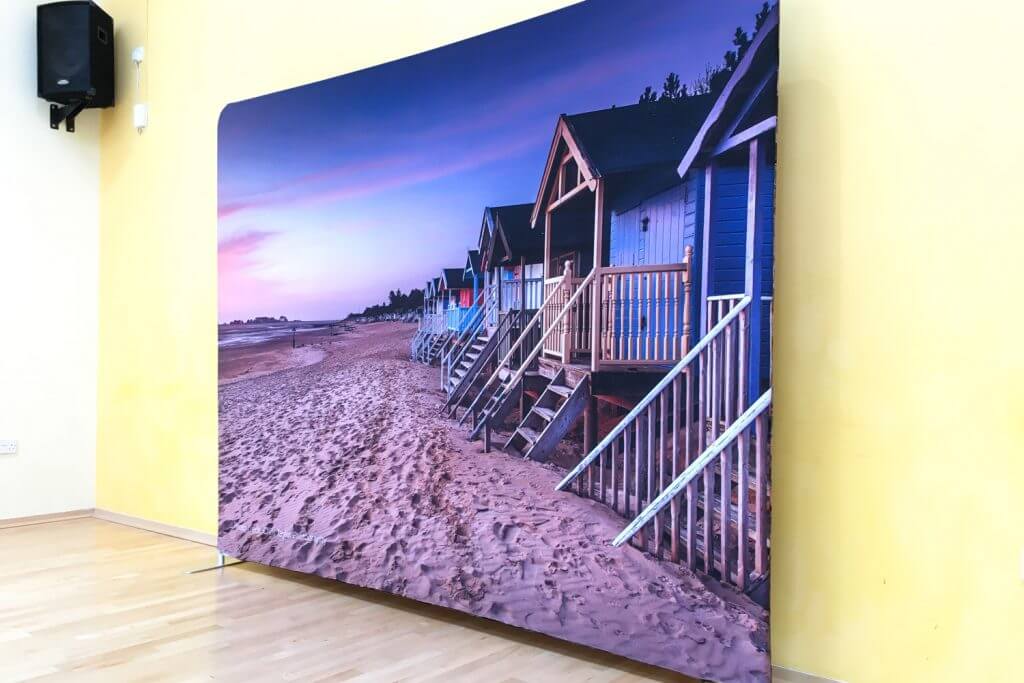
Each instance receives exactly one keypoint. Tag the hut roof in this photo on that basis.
(641, 144)
(756, 74)
(514, 238)
(623, 139)
(473, 262)
(453, 278)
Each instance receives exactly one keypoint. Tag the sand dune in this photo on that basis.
(344, 468)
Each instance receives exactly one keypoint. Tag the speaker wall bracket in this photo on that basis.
(66, 113)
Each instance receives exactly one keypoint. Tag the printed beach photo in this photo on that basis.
(495, 329)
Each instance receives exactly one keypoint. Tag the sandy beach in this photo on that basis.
(340, 464)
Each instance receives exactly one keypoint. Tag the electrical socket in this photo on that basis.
(8, 446)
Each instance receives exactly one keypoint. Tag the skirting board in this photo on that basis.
(12, 522)
(156, 527)
(783, 675)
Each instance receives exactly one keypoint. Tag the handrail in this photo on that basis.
(471, 331)
(512, 349)
(690, 356)
(581, 287)
(478, 315)
(696, 467)
(734, 297)
(504, 328)
(680, 267)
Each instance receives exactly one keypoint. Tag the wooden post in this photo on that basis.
(687, 293)
(565, 287)
(706, 270)
(753, 267)
(590, 425)
(522, 288)
(547, 245)
(595, 296)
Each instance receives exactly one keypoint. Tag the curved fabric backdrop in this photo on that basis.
(495, 328)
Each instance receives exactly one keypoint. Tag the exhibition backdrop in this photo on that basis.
(495, 328)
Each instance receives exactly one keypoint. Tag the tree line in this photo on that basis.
(397, 302)
(713, 79)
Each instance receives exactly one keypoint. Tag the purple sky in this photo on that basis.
(334, 193)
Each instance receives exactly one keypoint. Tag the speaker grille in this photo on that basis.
(75, 50)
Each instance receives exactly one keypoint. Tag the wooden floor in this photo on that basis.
(88, 600)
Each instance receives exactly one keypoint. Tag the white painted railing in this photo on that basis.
(455, 354)
(495, 390)
(644, 314)
(671, 425)
(735, 466)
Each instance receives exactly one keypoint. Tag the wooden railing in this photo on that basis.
(512, 293)
(453, 356)
(491, 303)
(645, 314)
(433, 323)
(496, 389)
(723, 497)
(569, 324)
(505, 333)
(457, 318)
(671, 425)
(720, 304)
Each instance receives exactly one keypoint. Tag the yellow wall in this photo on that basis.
(899, 425)
(899, 428)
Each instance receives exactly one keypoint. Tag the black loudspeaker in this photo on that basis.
(75, 48)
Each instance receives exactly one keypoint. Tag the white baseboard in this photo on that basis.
(156, 527)
(781, 674)
(12, 522)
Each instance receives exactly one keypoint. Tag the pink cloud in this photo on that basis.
(283, 190)
(392, 172)
(238, 285)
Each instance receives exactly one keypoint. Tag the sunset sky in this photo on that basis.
(333, 193)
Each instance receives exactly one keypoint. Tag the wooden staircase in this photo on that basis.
(469, 372)
(467, 369)
(554, 413)
(499, 392)
(435, 347)
(498, 405)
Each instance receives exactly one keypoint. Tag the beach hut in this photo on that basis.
(511, 263)
(457, 296)
(473, 313)
(434, 321)
(616, 309)
(513, 258)
(425, 327)
(689, 463)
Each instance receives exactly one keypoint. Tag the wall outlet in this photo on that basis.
(8, 446)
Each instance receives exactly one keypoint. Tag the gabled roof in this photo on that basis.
(432, 285)
(639, 138)
(623, 139)
(486, 228)
(514, 237)
(453, 278)
(757, 71)
(473, 262)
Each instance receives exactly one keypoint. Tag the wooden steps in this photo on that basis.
(546, 413)
(469, 371)
(550, 419)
